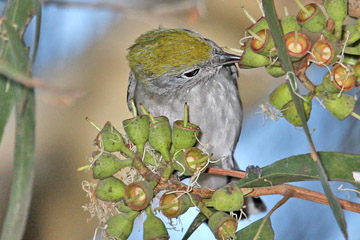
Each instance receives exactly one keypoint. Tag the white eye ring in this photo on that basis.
(191, 73)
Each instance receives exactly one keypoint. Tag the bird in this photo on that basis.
(170, 67)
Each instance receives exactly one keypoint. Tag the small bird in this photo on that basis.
(171, 67)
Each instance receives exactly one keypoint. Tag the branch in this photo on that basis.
(301, 193)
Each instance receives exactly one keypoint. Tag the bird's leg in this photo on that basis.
(253, 170)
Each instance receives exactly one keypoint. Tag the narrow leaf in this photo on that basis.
(23, 175)
(249, 232)
(339, 167)
(200, 218)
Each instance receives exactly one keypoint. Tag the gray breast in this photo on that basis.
(214, 105)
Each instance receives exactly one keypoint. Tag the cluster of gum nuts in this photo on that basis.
(337, 46)
(174, 152)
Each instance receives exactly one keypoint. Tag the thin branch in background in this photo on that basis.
(152, 7)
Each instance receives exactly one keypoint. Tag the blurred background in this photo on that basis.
(83, 47)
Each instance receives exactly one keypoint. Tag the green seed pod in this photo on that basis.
(354, 33)
(341, 107)
(343, 79)
(154, 228)
(266, 45)
(337, 11)
(290, 24)
(107, 165)
(250, 59)
(184, 137)
(110, 189)
(223, 226)
(329, 85)
(297, 45)
(325, 52)
(192, 160)
(313, 20)
(120, 226)
(228, 198)
(356, 69)
(275, 71)
(290, 113)
(260, 24)
(350, 60)
(137, 130)
(171, 205)
(138, 195)
(111, 140)
(280, 96)
(160, 136)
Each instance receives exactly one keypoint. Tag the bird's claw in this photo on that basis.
(253, 170)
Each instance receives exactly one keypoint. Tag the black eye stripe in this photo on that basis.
(191, 73)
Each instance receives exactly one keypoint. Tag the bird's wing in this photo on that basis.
(131, 89)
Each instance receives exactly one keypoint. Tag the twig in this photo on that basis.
(226, 172)
(301, 193)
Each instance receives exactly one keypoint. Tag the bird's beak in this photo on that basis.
(227, 58)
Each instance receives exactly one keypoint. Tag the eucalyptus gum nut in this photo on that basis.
(251, 59)
(341, 107)
(184, 137)
(185, 158)
(329, 85)
(154, 228)
(160, 137)
(275, 71)
(301, 48)
(110, 189)
(342, 80)
(106, 165)
(183, 204)
(143, 190)
(227, 199)
(290, 113)
(137, 130)
(260, 24)
(316, 22)
(111, 140)
(120, 226)
(325, 52)
(290, 24)
(263, 48)
(218, 221)
(280, 96)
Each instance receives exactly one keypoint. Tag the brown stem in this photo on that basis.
(301, 193)
(226, 172)
(300, 71)
(143, 170)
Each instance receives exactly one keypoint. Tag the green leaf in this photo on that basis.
(338, 166)
(17, 15)
(6, 102)
(200, 218)
(276, 31)
(249, 232)
(23, 175)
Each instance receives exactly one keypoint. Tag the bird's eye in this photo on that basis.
(191, 73)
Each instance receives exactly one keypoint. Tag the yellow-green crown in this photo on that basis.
(167, 51)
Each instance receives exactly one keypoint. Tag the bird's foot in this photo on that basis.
(253, 170)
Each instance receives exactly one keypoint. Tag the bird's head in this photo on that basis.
(167, 59)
